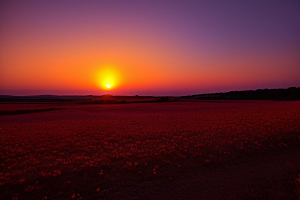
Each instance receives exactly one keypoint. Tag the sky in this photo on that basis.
(165, 47)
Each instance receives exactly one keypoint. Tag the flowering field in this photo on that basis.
(80, 151)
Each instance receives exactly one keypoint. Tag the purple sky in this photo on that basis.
(158, 47)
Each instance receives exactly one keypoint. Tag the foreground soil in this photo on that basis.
(179, 150)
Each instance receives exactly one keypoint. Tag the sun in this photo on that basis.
(108, 82)
(108, 78)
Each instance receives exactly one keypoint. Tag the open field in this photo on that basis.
(206, 150)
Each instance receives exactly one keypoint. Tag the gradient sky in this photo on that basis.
(148, 47)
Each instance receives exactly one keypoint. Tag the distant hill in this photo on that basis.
(292, 93)
(88, 99)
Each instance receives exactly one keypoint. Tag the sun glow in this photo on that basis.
(108, 78)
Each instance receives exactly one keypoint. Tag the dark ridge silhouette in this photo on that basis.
(292, 93)
(89, 99)
(163, 99)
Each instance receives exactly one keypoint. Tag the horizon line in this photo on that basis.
(145, 95)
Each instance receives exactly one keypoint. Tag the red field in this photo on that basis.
(95, 151)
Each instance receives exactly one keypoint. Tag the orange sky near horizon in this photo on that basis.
(46, 49)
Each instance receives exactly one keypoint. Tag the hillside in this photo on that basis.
(292, 93)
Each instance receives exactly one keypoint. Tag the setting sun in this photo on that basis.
(149, 99)
(108, 78)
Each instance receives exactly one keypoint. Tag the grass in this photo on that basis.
(297, 182)
(17, 112)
